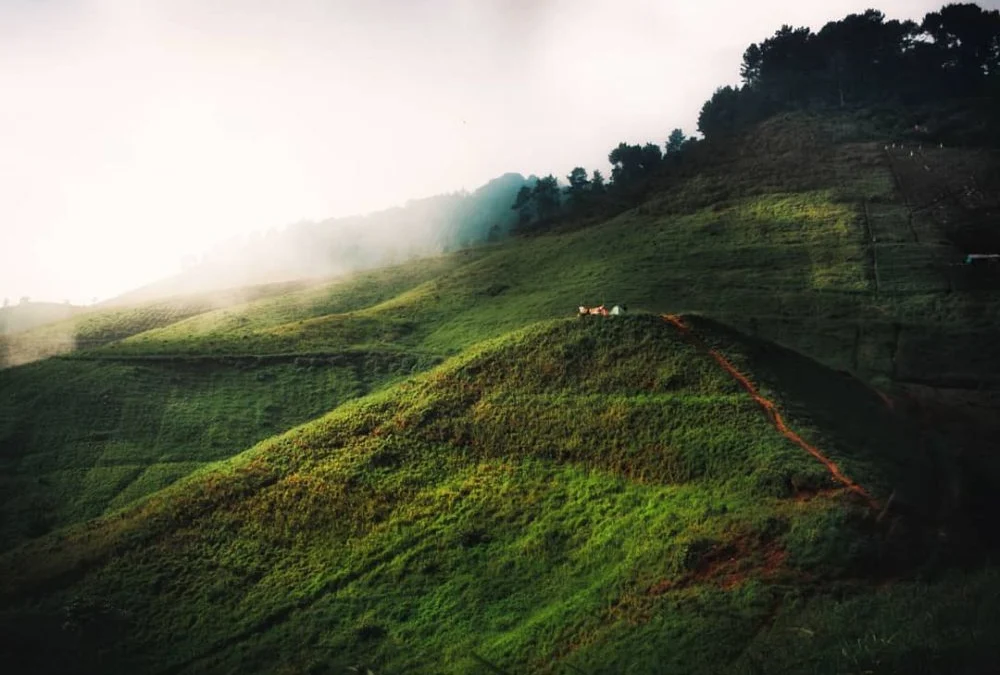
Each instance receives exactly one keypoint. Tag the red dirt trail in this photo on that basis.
(772, 411)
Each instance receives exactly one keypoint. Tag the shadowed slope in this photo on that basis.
(772, 412)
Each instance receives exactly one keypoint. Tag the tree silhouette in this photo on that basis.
(626, 163)
(675, 141)
(753, 57)
(546, 197)
(861, 60)
(597, 183)
(968, 39)
(578, 191)
(578, 181)
(522, 204)
(651, 157)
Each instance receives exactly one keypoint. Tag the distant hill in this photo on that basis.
(28, 315)
(342, 245)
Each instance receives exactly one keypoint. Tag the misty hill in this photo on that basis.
(342, 245)
(27, 315)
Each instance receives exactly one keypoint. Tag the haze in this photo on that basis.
(136, 133)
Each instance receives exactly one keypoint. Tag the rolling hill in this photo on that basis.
(782, 460)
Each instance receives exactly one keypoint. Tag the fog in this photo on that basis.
(136, 135)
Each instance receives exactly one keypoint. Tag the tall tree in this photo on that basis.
(753, 57)
(626, 163)
(862, 56)
(675, 141)
(578, 180)
(546, 197)
(578, 186)
(651, 157)
(969, 37)
(788, 64)
(522, 204)
(597, 183)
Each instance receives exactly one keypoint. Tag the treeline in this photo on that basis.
(863, 60)
(633, 167)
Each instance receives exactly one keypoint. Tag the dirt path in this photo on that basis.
(772, 411)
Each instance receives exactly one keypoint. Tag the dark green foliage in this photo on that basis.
(733, 109)
(597, 183)
(578, 181)
(539, 205)
(862, 59)
(546, 197)
(675, 142)
(968, 39)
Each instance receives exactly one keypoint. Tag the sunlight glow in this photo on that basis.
(135, 134)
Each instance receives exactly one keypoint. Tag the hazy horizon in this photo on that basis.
(138, 133)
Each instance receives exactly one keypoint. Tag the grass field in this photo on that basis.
(430, 468)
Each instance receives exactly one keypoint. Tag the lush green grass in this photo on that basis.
(79, 437)
(557, 495)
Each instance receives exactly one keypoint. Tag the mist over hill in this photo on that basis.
(336, 246)
(27, 314)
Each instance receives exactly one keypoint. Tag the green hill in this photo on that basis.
(429, 468)
(595, 493)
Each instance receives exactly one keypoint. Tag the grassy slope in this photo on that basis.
(82, 434)
(773, 239)
(93, 327)
(643, 516)
(78, 438)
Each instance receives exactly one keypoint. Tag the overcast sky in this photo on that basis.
(134, 132)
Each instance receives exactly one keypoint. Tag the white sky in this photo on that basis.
(134, 132)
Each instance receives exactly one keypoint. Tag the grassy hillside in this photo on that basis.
(776, 238)
(561, 494)
(93, 327)
(594, 493)
(78, 438)
(88, 432)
